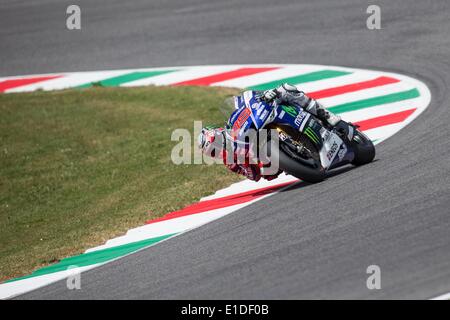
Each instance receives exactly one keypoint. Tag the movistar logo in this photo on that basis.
(312, 135)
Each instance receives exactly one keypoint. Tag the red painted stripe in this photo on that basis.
(206, 81)
(380, 81)
(223, 202)
(14, 83)
(385, 120)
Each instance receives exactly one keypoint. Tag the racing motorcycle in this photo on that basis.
(308, 148)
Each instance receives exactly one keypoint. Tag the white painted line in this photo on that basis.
(12, 289)
(248, 185)
(381, 110)
(366, 94)
(174, 225)
(338, 81)
(266, 76)
(68, 81)
(382, 133)
(445, 296)
(183, 75)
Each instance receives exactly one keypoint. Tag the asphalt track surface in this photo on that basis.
(311, 241)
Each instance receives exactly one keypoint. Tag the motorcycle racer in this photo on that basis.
(213, 138)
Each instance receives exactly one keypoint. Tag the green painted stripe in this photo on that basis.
(90, 258)
(133, 76)
(302, 78)
(366, 103)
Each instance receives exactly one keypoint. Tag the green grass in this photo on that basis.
(79, 167)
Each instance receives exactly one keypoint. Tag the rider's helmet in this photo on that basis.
(211, 141)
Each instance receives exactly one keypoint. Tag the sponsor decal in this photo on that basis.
(264, 114)
(282, 136)
(290, 110)
(245, 114)
(332, 150)
(312, 135)
(300, 117)
(342, 152)
(233, 117)
(255, 105)
(258, 112)
(260, 109)
(241, 119)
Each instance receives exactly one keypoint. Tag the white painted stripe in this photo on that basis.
(184, 223)
(68, 81)
(171, 226)
(267, 76)
(445, 296)
(381, 110)
(366, 94)
(382, 133)
(184, 74)
(248, 185)
(15, 288)
(28, 76)
(338, 81)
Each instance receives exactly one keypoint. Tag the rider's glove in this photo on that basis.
(271, 177)
(251, 172)
(270, 95)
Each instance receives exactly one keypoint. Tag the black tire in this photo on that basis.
(296, 169)
(364, 149)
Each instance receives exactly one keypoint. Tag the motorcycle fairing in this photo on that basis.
(261, 111)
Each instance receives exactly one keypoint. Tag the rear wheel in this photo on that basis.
(364, 149)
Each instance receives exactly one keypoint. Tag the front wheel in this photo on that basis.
(296, 169)
(364, 149)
